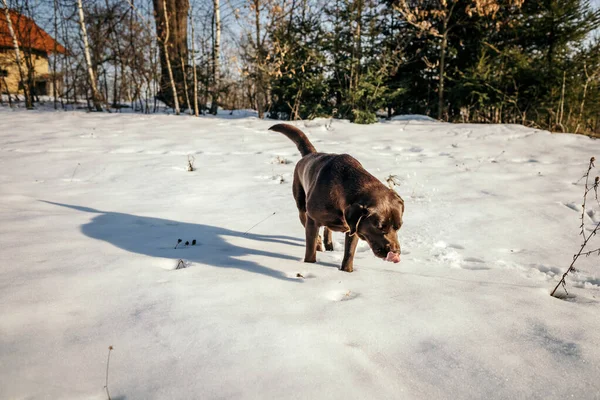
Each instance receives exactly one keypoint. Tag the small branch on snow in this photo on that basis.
(180, 264)
(392, 181)
(260, 222)
(107, 366)
(75, 170)
(585, 193)
(191, 160)
(587, 238)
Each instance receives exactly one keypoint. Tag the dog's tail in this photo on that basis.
(297, 136)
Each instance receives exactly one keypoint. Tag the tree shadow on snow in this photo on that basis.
(157, 237)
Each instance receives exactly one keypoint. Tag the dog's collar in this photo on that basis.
(357, 223)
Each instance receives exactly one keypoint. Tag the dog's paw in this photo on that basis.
(347, 268)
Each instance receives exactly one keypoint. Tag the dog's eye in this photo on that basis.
(383, 227)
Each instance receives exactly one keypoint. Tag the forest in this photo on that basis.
(530, 62)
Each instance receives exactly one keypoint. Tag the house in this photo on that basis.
(35, 46)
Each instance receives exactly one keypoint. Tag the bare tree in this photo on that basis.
(54, 58)
(165, 42)
(185, 87)
(260, 96)
(88, 59)
(216, 56)
(171, 18)
(26, 88)
(194, 67)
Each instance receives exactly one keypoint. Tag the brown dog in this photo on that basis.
(335, 191)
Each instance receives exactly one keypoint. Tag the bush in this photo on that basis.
(363, 117)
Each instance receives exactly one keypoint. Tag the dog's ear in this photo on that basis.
(398, 198)
(352, 215)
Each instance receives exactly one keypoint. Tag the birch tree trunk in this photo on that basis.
(585, 88)
(216, 57)
(26, 88)
(185, 86)
(358, 42)
(88, 59)
(55, 56)
(194, 68)
(172, 16)
(165, 42)
(260, 95)
(443, 46)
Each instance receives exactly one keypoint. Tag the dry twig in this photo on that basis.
(107, 366)
(191, 160)
(587, 238)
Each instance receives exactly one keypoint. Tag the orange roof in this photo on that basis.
(29, 35)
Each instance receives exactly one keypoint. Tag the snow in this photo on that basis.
(412, 117)
(92, 206)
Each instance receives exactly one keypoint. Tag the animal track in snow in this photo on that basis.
(300, 275)
(511, 251)
(551, 271)
(572, 206)
(380, 147)
(593, 215)
(341, 295)
(474, 260)
(450, 254)
(474, 263)
(585, 281)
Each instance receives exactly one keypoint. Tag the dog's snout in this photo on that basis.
(387, 248)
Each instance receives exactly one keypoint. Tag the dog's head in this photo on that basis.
(377, 223)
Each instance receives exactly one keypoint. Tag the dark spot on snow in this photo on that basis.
(593, 281)
(474, 259)
(572, 206)
(554, 344)
(549, 270)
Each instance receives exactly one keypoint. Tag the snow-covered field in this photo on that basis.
(92, 205)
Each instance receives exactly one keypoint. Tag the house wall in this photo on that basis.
(8, 64)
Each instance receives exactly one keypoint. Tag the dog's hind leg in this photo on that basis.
(313, 240)
(312, 234)
(300, 197)
(328, 239)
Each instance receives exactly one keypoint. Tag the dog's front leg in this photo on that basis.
(312, 234)
(349, 249)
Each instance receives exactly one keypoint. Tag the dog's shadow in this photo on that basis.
(157, 237)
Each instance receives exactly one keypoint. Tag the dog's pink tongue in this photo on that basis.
(393, 257)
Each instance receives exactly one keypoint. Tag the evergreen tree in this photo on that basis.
(299, 86)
